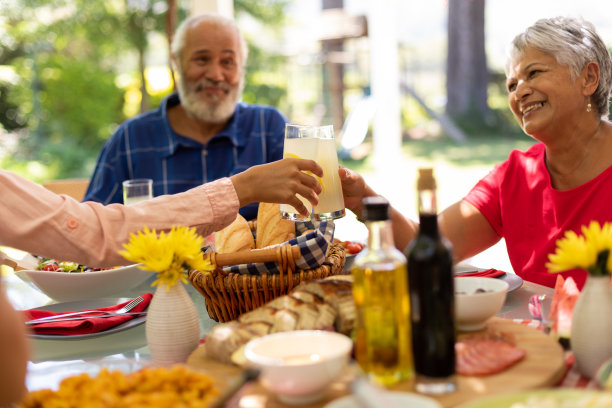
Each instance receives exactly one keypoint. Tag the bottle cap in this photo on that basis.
(426, 180)
(375, 208)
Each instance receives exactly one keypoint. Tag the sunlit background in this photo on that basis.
(72, 70)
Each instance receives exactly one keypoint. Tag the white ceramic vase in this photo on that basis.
(591, 334)
(172, 327)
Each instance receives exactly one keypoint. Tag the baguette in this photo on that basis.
(316, 305)
(271, 228)
(235, 237)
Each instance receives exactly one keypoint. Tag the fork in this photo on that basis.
(128, 307)
(75, 318)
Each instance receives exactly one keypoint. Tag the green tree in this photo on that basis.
(65, 92)
(263, 84)
(65, 98)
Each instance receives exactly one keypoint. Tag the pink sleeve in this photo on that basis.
(56, 226)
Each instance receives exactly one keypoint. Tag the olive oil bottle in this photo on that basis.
(380, 290)
(430, 272)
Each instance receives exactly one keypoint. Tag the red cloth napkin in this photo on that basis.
(93, 325)
(489, 273)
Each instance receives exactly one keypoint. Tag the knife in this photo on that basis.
(63, 319)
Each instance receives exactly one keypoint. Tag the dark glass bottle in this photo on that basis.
(430, 277)
(380, 290)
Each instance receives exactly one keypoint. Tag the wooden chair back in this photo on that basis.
(75, 188)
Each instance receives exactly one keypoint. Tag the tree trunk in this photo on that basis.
(144, 100)
(333, 75)
(466, 68)
(170, 25)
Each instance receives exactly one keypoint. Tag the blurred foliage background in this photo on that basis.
(72, 70)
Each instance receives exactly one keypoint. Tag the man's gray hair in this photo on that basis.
(178, 41)
(574, 43)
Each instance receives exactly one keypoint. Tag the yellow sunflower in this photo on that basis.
(170, 254)
(589, 251)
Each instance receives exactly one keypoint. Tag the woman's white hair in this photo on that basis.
(574, 43)
(178, 41)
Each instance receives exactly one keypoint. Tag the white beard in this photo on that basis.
(210, 109)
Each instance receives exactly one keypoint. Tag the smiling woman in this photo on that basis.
(559, 78)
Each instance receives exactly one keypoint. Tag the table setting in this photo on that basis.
(561, 374)
(275, 322)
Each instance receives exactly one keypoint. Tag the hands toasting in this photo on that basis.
(279, 182)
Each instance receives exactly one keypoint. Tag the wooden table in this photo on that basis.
(543, 366)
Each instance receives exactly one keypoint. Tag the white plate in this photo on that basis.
(86, 305)
(65, 287)
(575, 398)
(401, 399)
(513, 280)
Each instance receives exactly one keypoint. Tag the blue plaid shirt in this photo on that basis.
(147, 147)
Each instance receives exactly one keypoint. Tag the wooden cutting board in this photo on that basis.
(543, 366)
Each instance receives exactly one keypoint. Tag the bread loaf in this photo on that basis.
(235, 237)
(317, 305)
(271, 228)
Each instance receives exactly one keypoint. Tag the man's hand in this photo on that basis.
(354, 190)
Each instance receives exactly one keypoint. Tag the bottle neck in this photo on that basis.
(427, 201)
(380, 234)
(428, 214)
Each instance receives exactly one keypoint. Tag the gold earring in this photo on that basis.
(588, 107)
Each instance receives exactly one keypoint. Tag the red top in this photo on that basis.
(521, 205)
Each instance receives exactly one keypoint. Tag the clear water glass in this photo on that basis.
(137, 190)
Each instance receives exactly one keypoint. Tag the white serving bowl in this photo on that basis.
(298, 365)
(474, 308)
(66, 287)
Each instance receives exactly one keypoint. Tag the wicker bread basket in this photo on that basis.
(228, 295)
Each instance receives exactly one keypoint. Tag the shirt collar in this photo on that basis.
(231, 131)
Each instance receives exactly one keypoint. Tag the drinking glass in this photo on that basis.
(301, 142)
(539, 307)
(137, 190)
(331, 200)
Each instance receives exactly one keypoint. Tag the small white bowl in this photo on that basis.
(476, 300)
(298, 365)
(66, 287)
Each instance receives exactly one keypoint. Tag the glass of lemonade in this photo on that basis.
(300, 142)
(137, 190)
(331, 200)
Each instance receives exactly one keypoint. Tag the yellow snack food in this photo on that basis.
(151, 387)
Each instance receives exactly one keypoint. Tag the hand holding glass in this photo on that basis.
(316, 143)
(137, 190)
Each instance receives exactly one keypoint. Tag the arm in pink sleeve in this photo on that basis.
(57, 226)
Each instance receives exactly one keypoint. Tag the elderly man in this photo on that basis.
(202, 133)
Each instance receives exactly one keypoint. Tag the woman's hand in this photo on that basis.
(354, 190)
(280, 182)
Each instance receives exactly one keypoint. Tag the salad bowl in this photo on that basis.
(66, 287)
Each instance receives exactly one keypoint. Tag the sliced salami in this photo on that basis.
(482, 355)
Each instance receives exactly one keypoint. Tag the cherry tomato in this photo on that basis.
(50, 267)
(353, 248)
